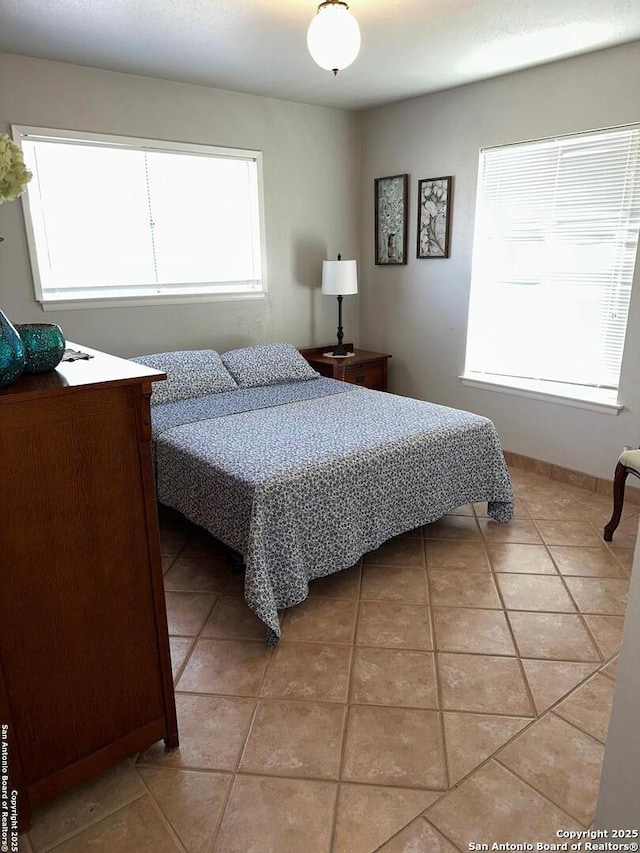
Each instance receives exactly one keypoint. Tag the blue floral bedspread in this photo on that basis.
(304, 478)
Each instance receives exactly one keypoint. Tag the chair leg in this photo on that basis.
(618, 500)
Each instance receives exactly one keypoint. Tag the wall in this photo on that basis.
(311, 180)
(419, 312)
(619, 798)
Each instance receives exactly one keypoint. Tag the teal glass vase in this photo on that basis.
(43, 344)
(11, 352)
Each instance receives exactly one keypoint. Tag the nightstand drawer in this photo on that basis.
(367, 375)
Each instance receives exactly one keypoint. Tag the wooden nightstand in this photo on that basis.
(365, 368)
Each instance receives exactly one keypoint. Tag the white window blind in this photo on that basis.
(556, 238)
(117, 218)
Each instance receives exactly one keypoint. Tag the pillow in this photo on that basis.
(190, 373)
(267, 364)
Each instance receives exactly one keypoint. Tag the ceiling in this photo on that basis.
(409, 47)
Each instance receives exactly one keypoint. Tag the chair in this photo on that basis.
(628, 463)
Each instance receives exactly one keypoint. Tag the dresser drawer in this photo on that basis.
(367, 375)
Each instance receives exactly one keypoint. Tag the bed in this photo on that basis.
(301, 474)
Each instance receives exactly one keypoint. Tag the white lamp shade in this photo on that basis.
(333, 37)
(339, 278)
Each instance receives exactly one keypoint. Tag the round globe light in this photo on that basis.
(333, 37)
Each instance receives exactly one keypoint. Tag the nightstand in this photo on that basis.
(365, 368)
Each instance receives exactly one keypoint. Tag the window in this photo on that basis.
(556, 238)
(116, 218)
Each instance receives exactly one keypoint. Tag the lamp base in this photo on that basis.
(338, 355)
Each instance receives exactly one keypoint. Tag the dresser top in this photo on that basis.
(102, 370)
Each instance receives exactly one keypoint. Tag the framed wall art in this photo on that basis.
(391, 196)
(434, 217)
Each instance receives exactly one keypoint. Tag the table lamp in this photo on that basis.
(339, 278)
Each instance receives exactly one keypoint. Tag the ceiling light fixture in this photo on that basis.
(333, 37)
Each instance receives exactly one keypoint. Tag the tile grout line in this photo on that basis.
(188, 656)
(436, 667)
(610, 549)
(328, 781)
(558, 714)
(225, 771)
(552, 712)
(523, 673)
(234, 772)
(416, 819)
(500, 761)
(440, 832)
(578, 610)
(68, 836)
(188, 538)
(602, 670)
(570, 692)
(197, 636)
(540, 793)
(513, 773)
(492, 757)
(347, 713)
(267, 699)
(165, 820)
(122, 807)
(234, 775)
(419, 648)
(214, 836)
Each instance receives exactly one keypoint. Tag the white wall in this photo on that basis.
(312, 186)
(314, 197)
(619, 798)
(419, 312)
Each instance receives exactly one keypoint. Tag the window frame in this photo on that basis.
(598, 399)
(186, 293)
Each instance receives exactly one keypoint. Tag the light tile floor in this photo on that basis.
(454, 686)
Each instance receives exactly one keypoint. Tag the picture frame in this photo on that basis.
(434, 217)
(391, 220)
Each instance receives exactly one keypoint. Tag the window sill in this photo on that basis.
(592, 399)
(139, 301)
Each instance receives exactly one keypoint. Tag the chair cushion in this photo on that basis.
(630, 459)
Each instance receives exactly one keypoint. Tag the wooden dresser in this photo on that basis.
(365, 368)
(85, 672)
